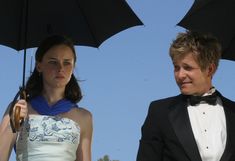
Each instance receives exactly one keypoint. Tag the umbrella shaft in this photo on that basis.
(24, 66)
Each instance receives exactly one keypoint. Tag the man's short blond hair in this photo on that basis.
(205, 47)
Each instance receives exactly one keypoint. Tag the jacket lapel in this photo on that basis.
(181, 124)
(229, 110)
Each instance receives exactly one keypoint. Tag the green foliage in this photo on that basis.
(106, 158)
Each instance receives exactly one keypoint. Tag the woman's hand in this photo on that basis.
(20, 112)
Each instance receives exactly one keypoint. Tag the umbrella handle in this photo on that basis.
(17, 119)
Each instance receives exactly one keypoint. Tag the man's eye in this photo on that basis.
(176, 68)
(188, 68)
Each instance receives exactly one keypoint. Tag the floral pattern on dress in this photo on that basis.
(51, 128)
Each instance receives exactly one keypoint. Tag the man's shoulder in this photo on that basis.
(159, 109)
(167, 100)
(164, 104)
(225, 99)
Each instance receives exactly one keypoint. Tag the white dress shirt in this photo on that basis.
(209, 129)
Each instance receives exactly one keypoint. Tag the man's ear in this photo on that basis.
(211, 69)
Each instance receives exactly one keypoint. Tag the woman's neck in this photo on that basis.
(53, 95)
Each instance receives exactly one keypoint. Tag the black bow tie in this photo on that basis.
(210, 99)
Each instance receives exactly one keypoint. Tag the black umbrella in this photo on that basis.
(24, 23)
(215, 17)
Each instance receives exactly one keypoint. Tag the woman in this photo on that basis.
(54, 127)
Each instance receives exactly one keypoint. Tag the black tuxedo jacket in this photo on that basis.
(167, 134)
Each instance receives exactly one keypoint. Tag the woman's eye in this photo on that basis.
(52, 62)
(67, 63)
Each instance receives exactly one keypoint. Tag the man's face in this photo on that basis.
(189, 76)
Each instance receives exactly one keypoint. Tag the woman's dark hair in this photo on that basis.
(34, 85)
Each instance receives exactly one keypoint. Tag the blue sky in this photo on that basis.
(122, 77)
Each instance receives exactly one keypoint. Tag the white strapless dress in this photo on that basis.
(48, 138)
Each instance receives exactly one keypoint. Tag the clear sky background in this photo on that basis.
(122, 77)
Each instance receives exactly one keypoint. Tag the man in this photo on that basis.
(198, 124)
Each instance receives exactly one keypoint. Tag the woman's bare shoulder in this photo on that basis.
(81, 115)
(84, 112)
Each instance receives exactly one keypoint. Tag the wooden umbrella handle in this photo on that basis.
(17, 119)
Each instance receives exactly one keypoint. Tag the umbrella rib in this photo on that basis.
(88, 25)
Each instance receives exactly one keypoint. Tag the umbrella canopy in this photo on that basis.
(24, 23)
(88, 22)
(215, 17)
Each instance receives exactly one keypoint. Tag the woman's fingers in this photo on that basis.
(22, 104)
(20, 112)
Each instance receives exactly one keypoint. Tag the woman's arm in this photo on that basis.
(7, 137)
(84, 148)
